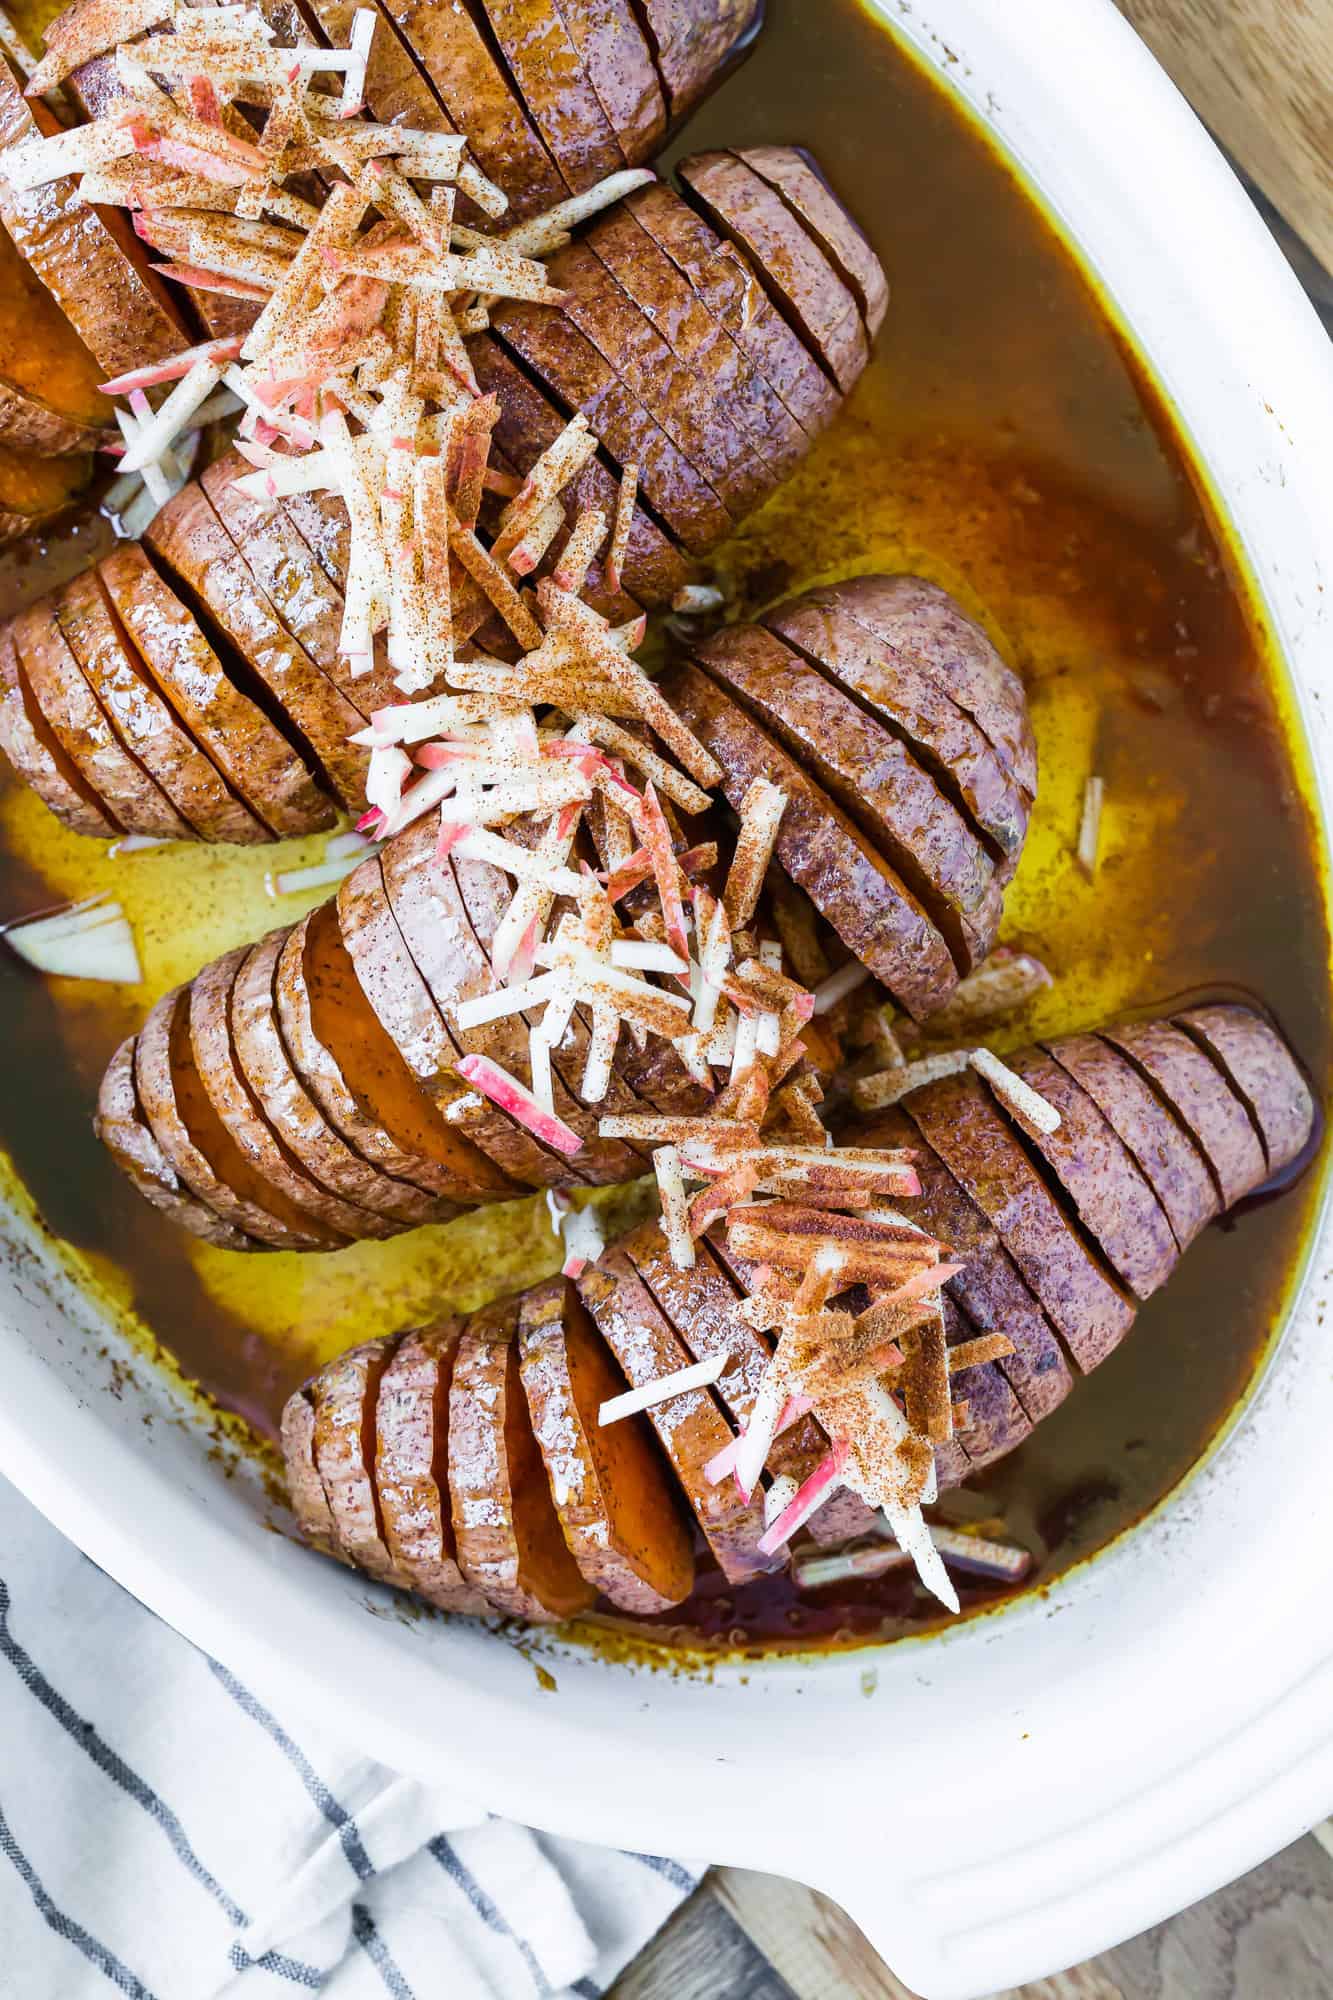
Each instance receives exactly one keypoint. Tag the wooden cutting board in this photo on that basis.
(1260, 73)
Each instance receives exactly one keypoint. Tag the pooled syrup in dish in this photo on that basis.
(1006, 444)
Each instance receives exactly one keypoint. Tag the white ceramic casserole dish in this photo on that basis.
(1037, 1785)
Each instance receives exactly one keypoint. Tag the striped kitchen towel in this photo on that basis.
(166, 1834)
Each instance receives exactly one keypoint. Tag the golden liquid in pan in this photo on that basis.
(1004, 444)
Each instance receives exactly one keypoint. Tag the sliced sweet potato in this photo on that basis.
(727, 283)
(1081, 1297)
(891, 687)
(310, 1503)
(194, 788)
(1260, 1068)
(699, 340)
(412, 1467)
(338, 1009)
(690, 1428)
(871, 909)
(388, 976)
(1202, 1099)
(576, 375)
(35, 489)
(49, 396)
(545, 62)
(345, 1395)
(88, 259)
(309, 605)
(31, 747)
(693, 41)
(325, 1214)
(838, 235)
(632, 346)
(122, 1128)
(214, 577)
(925, 625)
(655, 569)
(1171, 1162)
(702, 1306)
(620, 69)
(83, 729)
(396, 92)
(620, 1513)
(876, 781)
(507, 1533)
(486, 894)
(996, 1421)
(450, 46)
(191, 1134)
(1114, 1199)
(236, 735)
(433, 920)
(988, 1288)
(799, 278)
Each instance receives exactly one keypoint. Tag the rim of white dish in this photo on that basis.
(1199, 1738)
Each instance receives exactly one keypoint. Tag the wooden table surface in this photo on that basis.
(1260, 74)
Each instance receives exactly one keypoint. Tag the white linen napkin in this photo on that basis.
(166, 1834)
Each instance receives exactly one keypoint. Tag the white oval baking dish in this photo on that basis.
(1035, 1786)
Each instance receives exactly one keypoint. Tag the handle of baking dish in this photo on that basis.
(918, 1940)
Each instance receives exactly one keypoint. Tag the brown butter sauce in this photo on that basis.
(1006, 444)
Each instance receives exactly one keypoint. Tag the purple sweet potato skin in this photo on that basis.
(1261, 1068)
(1197, 1090)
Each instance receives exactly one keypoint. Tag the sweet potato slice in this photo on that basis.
(632, 346)
(390, 981)
(988, 1288)
(876, 781)
(213, 575)
(1081, 1298)
(412, 1467)
(907, 700)
(727, 283)
(310, 1503)
(1196, 1090)
(31, 747)
(619, 1511)
(620, 69)
(382, 1206)
(83, 729)
(702, 1306)
(872, 910)
(345, 1394)
(1171, 1162)
(694, 40)
(507, 1533)
(87, 258)
(325, 1214)
(818, 209)
(1260, 1068)
(654, 569)
(374, 1072)
(450, 46)
(690, 1428)
(236, 735)
(433, 920)
(193, 1137)
(576, 375)
(396, 91)
(799, 278)
(925, 625)
(1114, 1199)
(189, 783)
(49, 398)
(34, 490)
(544, 60)
(339, 1011)
(996, 1421)
(122, 1128)
(699, 340)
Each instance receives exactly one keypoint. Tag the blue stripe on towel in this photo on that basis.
(65, 1927)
